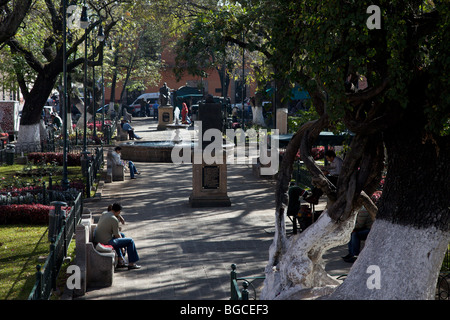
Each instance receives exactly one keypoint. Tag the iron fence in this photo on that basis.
(247, 282)
(93, 168)
(47, 274)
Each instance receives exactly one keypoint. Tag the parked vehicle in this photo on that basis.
(135, 107)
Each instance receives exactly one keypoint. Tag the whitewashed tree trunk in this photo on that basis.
(258, 117)
(29, 136)
(300, 274)
(400, 262)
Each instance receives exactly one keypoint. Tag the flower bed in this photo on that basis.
(35, 194)
(29, 214)
(73, 159)
(34, 214)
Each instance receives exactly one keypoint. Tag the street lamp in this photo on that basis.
(100, 38)
(65, 181)
(84, 24)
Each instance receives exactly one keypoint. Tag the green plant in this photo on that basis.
(20, 249)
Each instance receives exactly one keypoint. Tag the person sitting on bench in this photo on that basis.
(126, 126)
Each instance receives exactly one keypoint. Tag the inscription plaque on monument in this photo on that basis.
(211, 177)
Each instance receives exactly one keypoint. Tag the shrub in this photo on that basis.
(73, 159)
(34, 214)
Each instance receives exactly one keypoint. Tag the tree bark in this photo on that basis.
(408, 241)
(405, 248)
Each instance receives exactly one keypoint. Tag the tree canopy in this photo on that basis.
(387, 82)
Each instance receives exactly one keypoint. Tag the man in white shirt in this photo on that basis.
(118, 160)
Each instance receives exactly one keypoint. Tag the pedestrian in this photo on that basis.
(295, 192)
(129, 163)
(56, 121)
(155, 110)
(332, 172)
(126, 126)
(364, 221)
(147, 108)
(107, 232)
(184, 114)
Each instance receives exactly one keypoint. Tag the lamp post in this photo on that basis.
(243, 79)
(65, 181)
(84, 24)
(100, 38)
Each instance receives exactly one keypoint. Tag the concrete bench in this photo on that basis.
(122, 135)
(114, 171)
(96, 266)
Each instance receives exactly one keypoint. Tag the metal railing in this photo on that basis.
(47, 274)
(53, 144)
(247, 282)
(44, 194)
(93, 168)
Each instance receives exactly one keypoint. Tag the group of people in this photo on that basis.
(364, 219)
(145, 108)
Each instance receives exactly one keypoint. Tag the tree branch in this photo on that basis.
(10, 24)
(34, 63)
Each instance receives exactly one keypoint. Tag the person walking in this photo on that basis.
(107, 232)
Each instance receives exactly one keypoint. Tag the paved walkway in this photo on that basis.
(185, 252)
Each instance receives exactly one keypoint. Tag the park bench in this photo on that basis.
(114, 171)
(96, 263)
(122, 135)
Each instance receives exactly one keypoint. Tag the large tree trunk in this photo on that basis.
(29, 133)
(409, 239)
(404, 251)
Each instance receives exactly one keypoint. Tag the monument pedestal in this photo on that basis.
(209, 181)
(282, 120)
(165, 117)
(209, 185)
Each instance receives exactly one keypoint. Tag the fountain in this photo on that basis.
(161, 151)
(177, 126)
(158, 151)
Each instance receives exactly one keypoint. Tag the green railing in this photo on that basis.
(238, 294)
(47, 274)
(94, 167)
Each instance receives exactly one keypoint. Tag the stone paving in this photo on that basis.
(185, 252)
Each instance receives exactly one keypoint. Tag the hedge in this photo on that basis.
(73, 159)
(34, 214)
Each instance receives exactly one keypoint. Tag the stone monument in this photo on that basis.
(209, 180)
(282, 120)
(165, 110)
